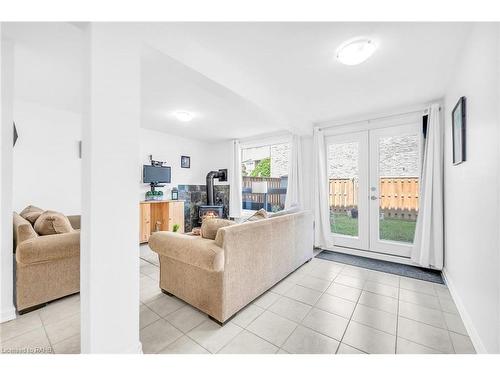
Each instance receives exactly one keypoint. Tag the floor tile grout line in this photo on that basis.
(46, 334)
(397, 321)
(321, 294)
(313, 306)
(23, 333)
(348, 323)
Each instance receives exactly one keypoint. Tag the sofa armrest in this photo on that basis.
(48, 248)
(194, 250)
(75, 221)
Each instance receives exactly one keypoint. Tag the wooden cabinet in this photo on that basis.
(160, 216)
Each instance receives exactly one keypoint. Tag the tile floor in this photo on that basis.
(323, 307)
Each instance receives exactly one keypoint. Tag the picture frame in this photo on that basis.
(458, 116)
(185, 161)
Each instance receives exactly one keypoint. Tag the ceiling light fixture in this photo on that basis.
(354, 52)
(183, 116)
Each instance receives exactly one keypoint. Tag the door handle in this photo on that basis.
(373, 198)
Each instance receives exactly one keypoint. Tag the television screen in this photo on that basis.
(155, 174)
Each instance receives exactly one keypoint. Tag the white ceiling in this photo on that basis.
(48, 63)
(290, 69)
(169, 86)
(245, 79)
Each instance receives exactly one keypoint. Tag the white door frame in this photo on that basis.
(362, 240)
(393, 125)
(384, 246)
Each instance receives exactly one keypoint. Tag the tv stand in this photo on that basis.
(160, 215)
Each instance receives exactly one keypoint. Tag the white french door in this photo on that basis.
(374, 183)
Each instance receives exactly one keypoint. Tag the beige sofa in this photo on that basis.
(222, 276)
(47, 267)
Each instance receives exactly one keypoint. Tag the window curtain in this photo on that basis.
(428, 248)
(235, 193)
(294, 188)
(322, 237)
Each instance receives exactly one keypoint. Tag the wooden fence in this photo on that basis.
(273, 184)
(398, 197)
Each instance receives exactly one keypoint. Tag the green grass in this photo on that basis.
(390, 229)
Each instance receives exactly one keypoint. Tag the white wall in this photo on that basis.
(165, 147)
(47, 167)
(109, 279)
(7, 311)
(472, 190)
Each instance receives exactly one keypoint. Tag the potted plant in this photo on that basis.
(176, 227)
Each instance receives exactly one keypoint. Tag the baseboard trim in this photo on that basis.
(469, 325)
(8, 314)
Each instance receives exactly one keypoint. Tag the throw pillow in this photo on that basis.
(291, 210)
(209, 227)
(51, 222)
(259, 215)
(31, 213)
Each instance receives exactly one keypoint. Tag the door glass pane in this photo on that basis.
(343, 175)
(398, 187)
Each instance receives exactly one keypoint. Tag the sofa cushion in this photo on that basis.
(51, 222)
(209, 227)
(31, 213)
(259, 215)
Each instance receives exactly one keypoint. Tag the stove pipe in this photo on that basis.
(221, 174)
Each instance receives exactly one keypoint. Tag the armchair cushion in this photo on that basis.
(48, 248)
(51, 222)
(31, 213)
(194, 250)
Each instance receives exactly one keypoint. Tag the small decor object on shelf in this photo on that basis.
(458, 117)
(154, 195)
(185, 162)
(175, 194)
(176, 227)
(196, 231)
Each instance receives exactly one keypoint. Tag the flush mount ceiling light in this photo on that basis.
(354, 52)
(183, 116)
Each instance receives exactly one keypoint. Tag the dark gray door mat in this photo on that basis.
(425, 274)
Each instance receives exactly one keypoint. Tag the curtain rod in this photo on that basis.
(368, 119)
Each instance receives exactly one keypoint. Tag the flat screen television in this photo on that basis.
(157, 175)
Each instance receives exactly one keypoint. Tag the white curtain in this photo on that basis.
(322, 237)
(429, 243)
(294, 189)
(235, 194)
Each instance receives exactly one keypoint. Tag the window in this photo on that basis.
(264, 171)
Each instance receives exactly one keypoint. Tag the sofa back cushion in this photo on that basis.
(209, 227)
(51, 222)
(31, 213)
